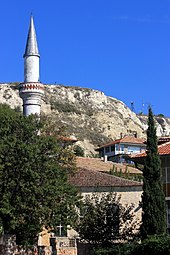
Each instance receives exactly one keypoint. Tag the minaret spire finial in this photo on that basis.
(31, 45)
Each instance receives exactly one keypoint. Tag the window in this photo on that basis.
(107, 149)
(112, 148)
(101, 153)
(121, 147)
(133, 149)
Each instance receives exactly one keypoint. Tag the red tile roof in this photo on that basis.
(98, 164)
(90, 178)
(163, 149)
(163, 139)
(126, 139)
(67, 139)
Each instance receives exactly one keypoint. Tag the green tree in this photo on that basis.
(153, 199)
(33, 178)
(104, 220)
(79, 151)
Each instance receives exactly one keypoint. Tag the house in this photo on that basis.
(93, 181)
(89, 181)
(164, 152)
(92, 176)
(121, 149)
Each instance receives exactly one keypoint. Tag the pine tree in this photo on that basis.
(153, 199)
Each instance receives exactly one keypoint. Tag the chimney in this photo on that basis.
(135, 134)
(105, 158)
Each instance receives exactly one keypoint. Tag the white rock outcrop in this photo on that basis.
(89, 115)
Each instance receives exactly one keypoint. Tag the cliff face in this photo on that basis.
(162, 124)
(89, 115)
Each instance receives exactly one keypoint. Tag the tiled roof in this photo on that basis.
(98, 164)
(163, 149)
(163, 139)
(90, 178)
(68, 139)
(126, 139)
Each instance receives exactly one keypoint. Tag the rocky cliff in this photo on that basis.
(88, 115)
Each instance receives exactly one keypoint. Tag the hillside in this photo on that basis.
(89, 115)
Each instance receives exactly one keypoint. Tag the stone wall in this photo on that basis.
(8, 245)
(65, 246)
(58, 246)
(84, 249)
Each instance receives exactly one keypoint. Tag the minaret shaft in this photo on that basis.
(31, 69)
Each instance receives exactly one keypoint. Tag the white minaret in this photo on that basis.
(31, 91)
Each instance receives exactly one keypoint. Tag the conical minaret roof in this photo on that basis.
(31, 46)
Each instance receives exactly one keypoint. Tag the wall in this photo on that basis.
(128, 195)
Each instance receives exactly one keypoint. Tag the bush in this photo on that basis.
(78, 151)
(117, 249)
(154, 245)
(64, 107)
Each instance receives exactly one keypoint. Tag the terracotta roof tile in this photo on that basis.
(132, 139)
(163, 149)
(69, 139)
(98, 164)
(126, 139)
(91, 178)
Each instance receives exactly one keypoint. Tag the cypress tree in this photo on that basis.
(153, 199)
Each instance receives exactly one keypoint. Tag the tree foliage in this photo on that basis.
(79, 151)
(153, 199)
(33, 178)
(155, 245)
(104, 220)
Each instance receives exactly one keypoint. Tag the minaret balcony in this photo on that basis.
(35, 87)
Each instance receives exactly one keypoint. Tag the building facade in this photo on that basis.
(120, 149)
